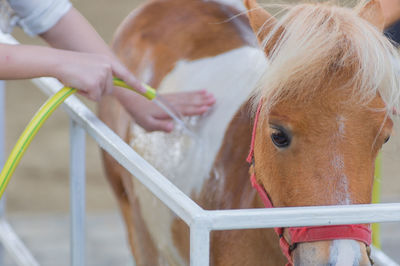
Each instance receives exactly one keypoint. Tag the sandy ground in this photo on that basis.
(47, 237)
(41, 186)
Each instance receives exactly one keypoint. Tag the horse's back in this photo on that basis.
(183, 45)
(162, 32)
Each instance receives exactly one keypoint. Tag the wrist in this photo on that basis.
(56, 62)
(125, 95)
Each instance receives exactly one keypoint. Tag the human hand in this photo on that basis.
(92, 74)
(152, 118)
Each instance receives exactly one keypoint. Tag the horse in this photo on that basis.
(311, 93)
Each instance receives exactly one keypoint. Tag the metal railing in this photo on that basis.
(200, 221)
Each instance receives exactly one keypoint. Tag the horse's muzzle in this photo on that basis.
(341, 252)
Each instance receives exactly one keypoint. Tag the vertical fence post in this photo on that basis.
(77, 194)
(199, 245)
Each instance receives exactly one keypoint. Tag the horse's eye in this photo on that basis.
(387, 139)
(280, 138)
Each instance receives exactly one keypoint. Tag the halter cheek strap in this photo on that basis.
(297, 235)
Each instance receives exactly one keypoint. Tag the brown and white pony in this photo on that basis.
(324, 80)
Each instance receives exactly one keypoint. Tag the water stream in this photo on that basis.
(173, 113)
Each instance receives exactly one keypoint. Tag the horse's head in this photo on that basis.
(326, 100)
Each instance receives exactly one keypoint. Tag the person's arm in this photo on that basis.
(73, 32)
(92, 75)
(27, 61)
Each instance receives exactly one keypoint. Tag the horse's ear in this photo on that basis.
(372, 12)
(260, 20)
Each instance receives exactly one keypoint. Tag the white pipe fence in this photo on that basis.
(200, 221)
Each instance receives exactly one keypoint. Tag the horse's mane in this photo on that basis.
(314, 45)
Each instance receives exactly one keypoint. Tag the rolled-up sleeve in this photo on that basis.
(38, 16)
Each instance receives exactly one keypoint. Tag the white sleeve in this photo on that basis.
(38, 16)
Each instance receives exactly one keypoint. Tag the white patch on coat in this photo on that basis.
(344, 252)
(343, 186)
(341, 194)
(338, 163)
(341, 125)
(185, 160)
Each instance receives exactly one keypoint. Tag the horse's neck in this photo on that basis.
(229, 186)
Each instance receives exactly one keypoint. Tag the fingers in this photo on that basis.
(120, 71)
(103, 69)
(91, 74)
(195, 98)
(109, 83)
(149, 116)
(203, 98)
(91, 96)
(154, 124)
(100, 83)
(194, 110)
(188, 103)
(91, 89)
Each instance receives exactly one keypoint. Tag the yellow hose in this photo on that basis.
(150, 93)
(36, 123)
(29, 133)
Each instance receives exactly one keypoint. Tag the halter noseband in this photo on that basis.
(297, 235)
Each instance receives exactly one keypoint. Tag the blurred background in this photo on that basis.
(38, 195)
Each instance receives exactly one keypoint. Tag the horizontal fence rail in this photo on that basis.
(160, 186)
(304, 216)
(202, 221)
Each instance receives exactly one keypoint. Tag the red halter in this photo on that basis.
(358, 232)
